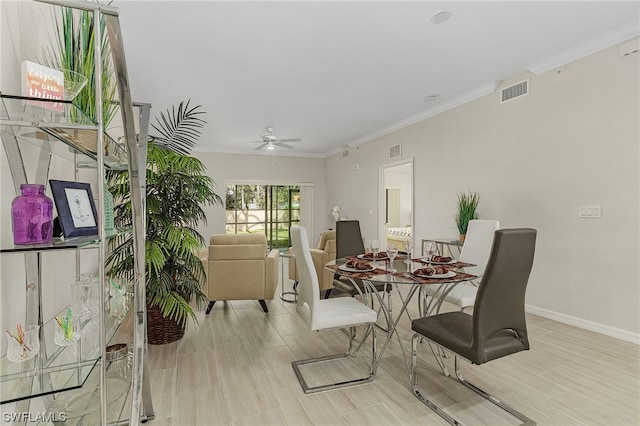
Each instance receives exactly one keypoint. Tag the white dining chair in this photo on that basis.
(323, 314)
(475, 250)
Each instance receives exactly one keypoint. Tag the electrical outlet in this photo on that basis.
(589, 211)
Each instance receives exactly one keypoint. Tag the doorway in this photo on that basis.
(396, 202)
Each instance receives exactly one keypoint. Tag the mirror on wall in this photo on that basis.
(396, 209)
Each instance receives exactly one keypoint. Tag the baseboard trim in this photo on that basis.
(614, 332)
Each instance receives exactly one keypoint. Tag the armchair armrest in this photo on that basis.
(271, 271)
(203, 254)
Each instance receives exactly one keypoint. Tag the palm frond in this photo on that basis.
(173, 306)
(179, 129)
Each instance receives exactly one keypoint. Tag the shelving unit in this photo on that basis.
(76, 379)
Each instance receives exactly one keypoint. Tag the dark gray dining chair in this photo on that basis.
(497, 327)
(349, 243)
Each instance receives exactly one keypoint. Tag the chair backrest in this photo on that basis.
(239, 267)
(499, 308)
(477, 244)
(348, 239)
(237, 246)
(308, 287)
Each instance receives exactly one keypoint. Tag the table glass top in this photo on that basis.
(400, 272)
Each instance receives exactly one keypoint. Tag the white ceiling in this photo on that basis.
(334, 73)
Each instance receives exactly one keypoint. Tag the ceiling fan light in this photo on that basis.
(270, 147)
(440, 18)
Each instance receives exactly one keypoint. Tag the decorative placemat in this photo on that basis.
(457, 264)
(361, 275)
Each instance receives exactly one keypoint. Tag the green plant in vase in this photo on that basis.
(467, 206)
(177, 190)
(73, 53)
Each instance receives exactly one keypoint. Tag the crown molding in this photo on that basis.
(485, 89)
(604, 41)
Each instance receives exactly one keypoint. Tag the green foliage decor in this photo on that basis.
(74, 51)
(467, 210)
(177, 189)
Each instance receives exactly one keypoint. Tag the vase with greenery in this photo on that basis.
(73, 51)
(467, 209)
(177, 190)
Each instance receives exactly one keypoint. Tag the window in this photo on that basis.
(268, 209)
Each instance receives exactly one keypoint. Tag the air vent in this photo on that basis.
(395, 151)
(515, 91)
(629, 48)
(345, 153)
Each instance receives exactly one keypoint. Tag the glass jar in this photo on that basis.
(32, 215)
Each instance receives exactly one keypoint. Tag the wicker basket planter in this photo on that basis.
(161, 330)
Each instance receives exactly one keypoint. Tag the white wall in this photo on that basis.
(574, 140)
(21, 42)
(265, 169)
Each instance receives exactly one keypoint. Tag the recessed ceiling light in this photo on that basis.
(441, 17)
(430, 98)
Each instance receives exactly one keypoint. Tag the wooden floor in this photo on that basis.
(234, 368)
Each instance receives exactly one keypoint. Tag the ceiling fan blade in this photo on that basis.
(261, 146)
(284, 145)
(290, 140)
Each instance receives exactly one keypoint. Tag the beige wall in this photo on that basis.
(574, 140)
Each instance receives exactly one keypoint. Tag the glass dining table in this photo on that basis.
(406, 274)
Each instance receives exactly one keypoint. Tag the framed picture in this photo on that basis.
(76, 208)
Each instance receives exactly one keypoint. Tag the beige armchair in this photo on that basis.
(325, 252)
(239, 268)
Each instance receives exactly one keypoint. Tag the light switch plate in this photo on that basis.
(589, 211)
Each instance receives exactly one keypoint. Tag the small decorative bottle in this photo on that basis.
(32, 215)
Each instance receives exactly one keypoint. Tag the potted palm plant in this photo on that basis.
(177, 189)
(467, 207)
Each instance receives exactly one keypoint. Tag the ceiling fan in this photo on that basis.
(271, 141)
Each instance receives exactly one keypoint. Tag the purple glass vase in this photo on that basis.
(32, 215)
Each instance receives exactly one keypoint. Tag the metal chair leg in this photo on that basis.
(414, 383)
(525, 420)
(372, 371)
(446, 416)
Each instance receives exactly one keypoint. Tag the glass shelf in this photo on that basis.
(31, 122)
(82, 406)
(32, 112)
(55, 244)
(64, 367)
